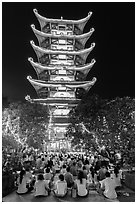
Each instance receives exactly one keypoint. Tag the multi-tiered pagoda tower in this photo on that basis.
(61, 70)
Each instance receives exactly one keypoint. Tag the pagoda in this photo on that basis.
(61, 71)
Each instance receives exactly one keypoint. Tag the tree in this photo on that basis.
(25, 123)
(95, 123)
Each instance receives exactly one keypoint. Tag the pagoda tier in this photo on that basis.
(82, 53)
(43, 38)
(39, 68)
(80, 24)
(38, 84)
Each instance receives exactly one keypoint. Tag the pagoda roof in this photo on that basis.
(80, 23)
(38, 84)
(40, 51)
(40, 68)
(81, 38)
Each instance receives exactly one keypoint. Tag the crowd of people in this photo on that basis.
(44, 172)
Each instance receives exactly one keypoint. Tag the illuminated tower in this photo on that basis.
(61, 70)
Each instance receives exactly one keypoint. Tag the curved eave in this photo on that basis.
(40, 51)
(43, 20)
(38, 84)
(85, 86)
(82, 38)
(39, 68)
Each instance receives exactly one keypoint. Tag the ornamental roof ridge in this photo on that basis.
(62, 20)
(47, 51)
(40, 33)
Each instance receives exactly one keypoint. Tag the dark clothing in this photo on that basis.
(69, 179)
(73, 170)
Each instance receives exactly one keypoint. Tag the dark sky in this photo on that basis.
(114, 36)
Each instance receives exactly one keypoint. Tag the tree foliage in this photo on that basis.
(96, 122)
(24, 123)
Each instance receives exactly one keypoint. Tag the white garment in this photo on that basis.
(116, 179)
(82, 187)
(22, 186)
(109, 185)
(60, 187)
(40, 188)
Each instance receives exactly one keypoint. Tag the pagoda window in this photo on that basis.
(62, 72)
(62, 57)
(54, 57)
(62, 27)
(54, 26)
(54, 41)
(62, 42)
(62, 88)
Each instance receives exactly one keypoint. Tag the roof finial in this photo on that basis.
(61, 17)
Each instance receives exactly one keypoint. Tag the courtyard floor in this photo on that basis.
(124, 195)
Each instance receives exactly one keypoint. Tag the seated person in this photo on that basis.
(81, 185)
(85, 172)
(63, 169)
(60, 189)
(41, 186)
(108, 187)
(48, 176)
(69, 178)
(23, 183)
(102, 173)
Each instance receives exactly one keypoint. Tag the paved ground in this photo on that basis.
(92, 197)
(125, 195)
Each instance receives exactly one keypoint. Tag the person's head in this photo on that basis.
(107, 174)
(40, 177)
(61, 177)
(22, 173)
(64, 166)
(47, 170)
(80, 176)
(68, 169)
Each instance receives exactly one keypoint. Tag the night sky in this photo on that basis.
(114, 52)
